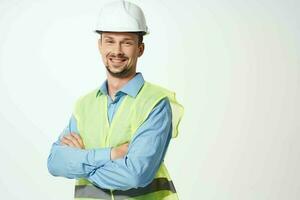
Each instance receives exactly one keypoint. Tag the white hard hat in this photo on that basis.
(121, 16)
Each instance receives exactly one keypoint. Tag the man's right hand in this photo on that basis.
(119, 152)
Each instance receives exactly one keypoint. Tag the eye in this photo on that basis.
(109, 41)
(128, 43)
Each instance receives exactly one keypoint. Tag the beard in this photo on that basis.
(125, 70)
(121, 74)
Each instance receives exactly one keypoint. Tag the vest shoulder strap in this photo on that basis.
(153, 93)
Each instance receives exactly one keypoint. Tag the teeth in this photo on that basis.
(117, 59)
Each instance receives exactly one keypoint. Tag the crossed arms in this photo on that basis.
(124, 167)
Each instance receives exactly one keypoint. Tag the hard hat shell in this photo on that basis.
(121, 16)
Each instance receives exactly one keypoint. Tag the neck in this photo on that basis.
(114, 83)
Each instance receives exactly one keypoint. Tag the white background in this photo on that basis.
(233, 64)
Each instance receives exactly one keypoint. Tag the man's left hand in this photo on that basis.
(73, 140)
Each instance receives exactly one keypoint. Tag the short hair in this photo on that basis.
(139, 34)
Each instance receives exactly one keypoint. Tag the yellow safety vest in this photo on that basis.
(93, 125)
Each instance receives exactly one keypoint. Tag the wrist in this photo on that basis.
(113, 153)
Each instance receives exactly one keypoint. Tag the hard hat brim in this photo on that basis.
(137, 32)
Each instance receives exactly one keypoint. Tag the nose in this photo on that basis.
(117, 50)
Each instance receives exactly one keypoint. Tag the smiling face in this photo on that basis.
(120, 52)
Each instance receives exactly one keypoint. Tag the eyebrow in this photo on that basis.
(108, 37)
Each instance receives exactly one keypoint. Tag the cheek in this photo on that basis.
(104, 57)
(104, 53)
(104, 50)
(131, 53)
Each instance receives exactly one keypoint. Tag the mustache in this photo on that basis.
(121, 56)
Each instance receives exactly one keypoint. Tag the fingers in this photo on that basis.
(119, 152)
(66, 141)
(123, 149)
(78, 138)
(123, 145)
(73, 140)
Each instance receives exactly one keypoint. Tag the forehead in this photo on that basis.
(120, 35)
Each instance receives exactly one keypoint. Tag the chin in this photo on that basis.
(117, 69)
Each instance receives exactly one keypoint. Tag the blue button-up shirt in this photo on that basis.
(145, 153)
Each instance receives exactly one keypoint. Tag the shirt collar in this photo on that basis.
(131, 88)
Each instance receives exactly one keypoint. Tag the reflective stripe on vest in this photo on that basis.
(91, 191)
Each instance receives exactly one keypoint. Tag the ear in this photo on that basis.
(99, 44)
(141, 49)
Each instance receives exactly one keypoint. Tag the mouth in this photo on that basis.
(117, 60)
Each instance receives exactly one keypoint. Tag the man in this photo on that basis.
(118, 135)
